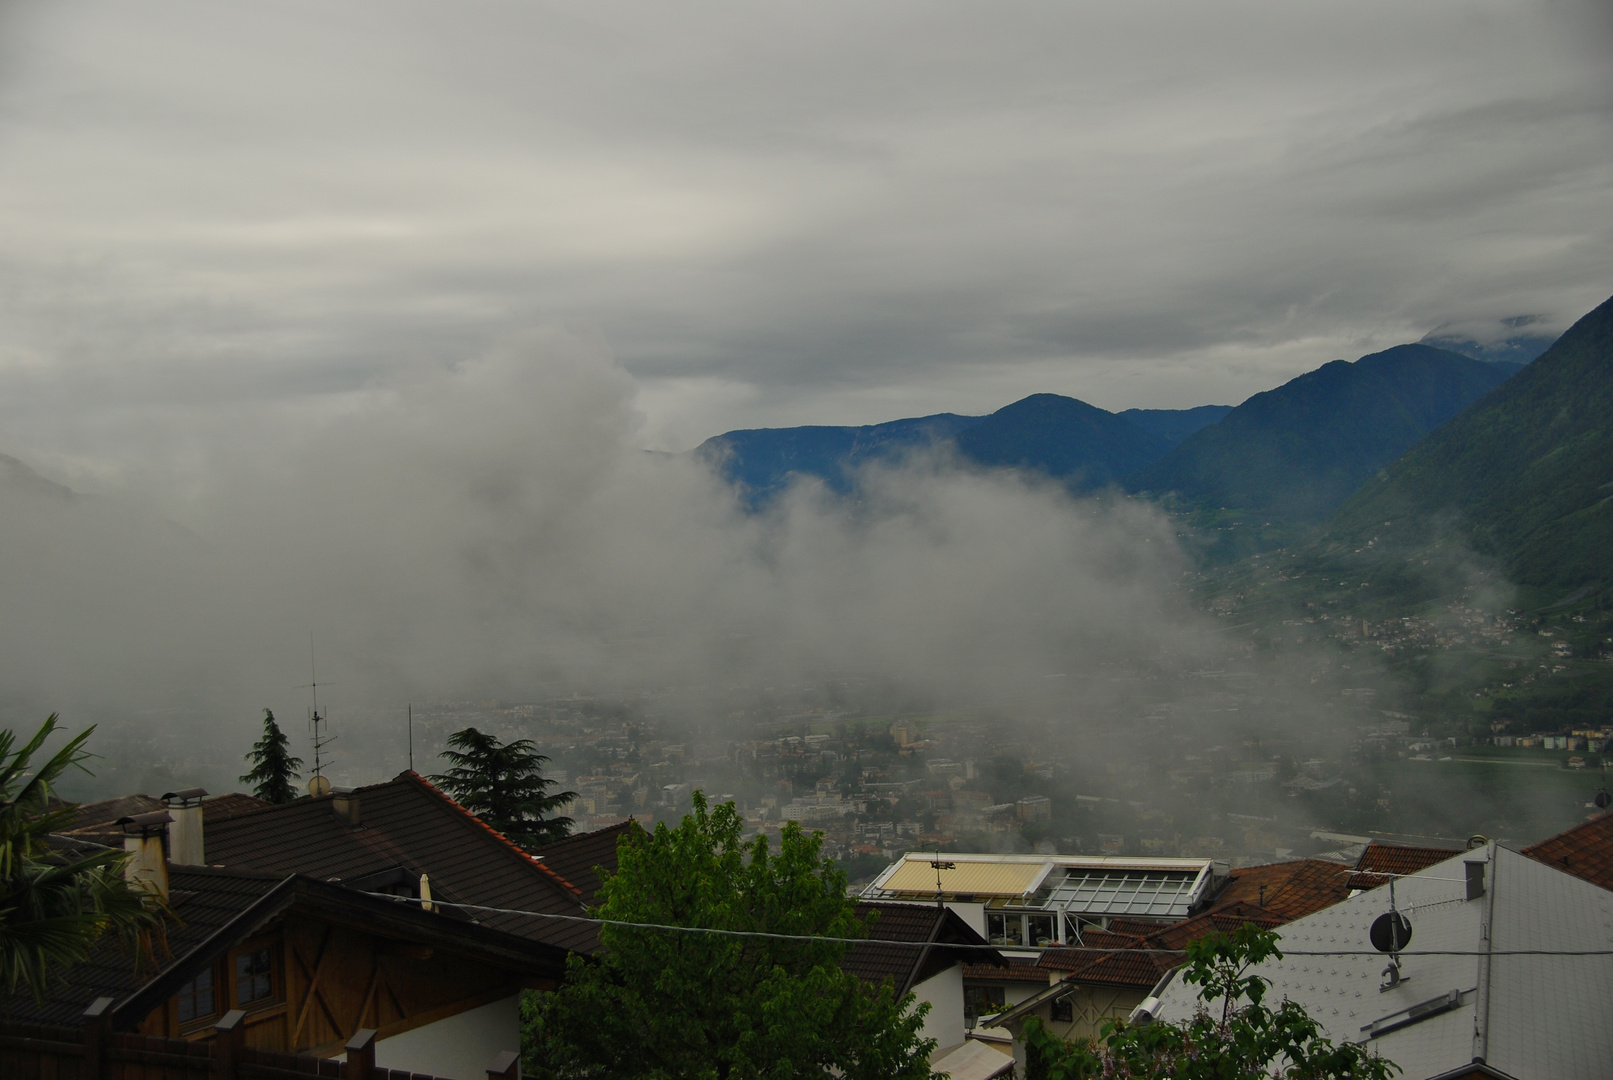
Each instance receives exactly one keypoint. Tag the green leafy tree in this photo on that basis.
(503, 784)
(665, 1004)
(55, 904)
(1242, 1039)
(274, 770)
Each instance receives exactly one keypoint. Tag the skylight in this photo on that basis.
(1143, 893)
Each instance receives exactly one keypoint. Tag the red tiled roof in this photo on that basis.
(1586, 851)
(1135, 961)
(1396, 860)
(1288, 890)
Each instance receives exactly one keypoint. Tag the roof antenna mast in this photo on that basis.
(938, 865)
(317, 783)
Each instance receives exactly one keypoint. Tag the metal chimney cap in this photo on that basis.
(158, 819)
(185, 795)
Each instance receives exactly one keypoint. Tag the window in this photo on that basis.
(1005, 929)
(253, 979)
(981, 1001)
(1040, 929)
(196, 998)
(1063, 1011)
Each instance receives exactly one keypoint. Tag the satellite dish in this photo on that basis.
(318, 785)
(1390, 932)
(1602, 799)
(1477, 840)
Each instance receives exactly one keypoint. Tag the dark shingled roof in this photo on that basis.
(577, 858)
(205, 898)
(221, 907)
(97, 821)
(905, 965)
(1379, 860)
(1586, 851)
(407, 822)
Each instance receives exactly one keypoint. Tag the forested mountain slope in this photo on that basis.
(1525, 475)
(1297, 452)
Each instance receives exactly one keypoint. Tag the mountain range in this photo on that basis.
(1300, 450)
(1294, 453)
(1524, 475)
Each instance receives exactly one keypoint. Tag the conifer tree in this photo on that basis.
(504, 785)
(274, 770)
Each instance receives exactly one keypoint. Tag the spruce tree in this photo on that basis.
(504, 785)
(273, 768)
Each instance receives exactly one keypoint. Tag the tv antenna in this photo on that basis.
(317, 783)
(938, 864)
(1390, 933)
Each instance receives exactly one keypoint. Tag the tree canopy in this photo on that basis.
(1243, 1039)
(55, 904)
(274, 770)
(503, 784)
(659, 1003)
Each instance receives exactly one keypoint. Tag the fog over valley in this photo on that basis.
(522, 365)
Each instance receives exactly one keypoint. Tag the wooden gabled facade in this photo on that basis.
(317, 971)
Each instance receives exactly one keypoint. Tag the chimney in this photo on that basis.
(344, 804)
(143, 839)
(185, 838)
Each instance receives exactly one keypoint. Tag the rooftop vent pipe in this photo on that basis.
(344, 803)
(185, 838)
(143, 839)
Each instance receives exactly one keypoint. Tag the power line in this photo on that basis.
(957, 945)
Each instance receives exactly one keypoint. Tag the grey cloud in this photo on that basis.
(815, 203)
(489, 531)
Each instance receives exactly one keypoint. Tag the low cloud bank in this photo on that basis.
(489, 531)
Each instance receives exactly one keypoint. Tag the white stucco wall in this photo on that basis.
(459, 1047)
(944, 992)
(973, 914)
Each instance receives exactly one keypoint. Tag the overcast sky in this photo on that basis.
(233, 221)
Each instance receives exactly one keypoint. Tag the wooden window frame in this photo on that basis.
(201, 1021)
(277, 980)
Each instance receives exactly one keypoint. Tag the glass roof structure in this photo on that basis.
(1147, 894)
(1086, 887)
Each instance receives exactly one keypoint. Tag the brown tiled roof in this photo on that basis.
(1133, 961)
(905, 965)
(409, 823)
(1012, 971)
(1289, 890)
(1395, 860)
(1586, 851)
(579, 857)
(1126, 967)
